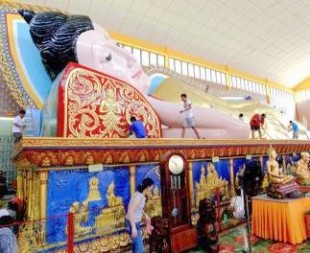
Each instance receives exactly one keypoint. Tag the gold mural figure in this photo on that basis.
(93, 194)
(112, 199)
(275, 175)
(153, 205)
(113, 216)
(302, 171)
(206, 186)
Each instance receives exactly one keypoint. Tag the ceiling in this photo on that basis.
(270, 39)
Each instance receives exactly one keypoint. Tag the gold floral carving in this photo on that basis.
(113, 217)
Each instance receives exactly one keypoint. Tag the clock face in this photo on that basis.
(176, 164)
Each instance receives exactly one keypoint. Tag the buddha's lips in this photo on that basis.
(137, 74)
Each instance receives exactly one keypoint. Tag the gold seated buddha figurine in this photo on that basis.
(302, 171)
(275, 175)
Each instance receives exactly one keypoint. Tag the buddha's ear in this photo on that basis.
(27, 14)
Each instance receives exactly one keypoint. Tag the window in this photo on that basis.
(129, 49)
(213, 76)
(145, 58)
(137, 53)
(178, 66)
(171, 64)
(203, 73)
(184, 68)
(197, 72)
(238, 83)
(223, 75)
(190, 70)
(218, 77)
(161, 60)
(208, 74)
(153, 59)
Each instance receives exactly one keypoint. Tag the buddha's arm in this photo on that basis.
(274, 173)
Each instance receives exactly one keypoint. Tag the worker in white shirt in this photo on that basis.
(18, 126)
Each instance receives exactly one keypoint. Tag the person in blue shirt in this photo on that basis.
(137, 128)
(293, 126)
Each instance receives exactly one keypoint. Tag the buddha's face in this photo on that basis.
(96, 50)
(273, 154)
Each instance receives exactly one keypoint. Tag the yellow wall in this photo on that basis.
(171, 53)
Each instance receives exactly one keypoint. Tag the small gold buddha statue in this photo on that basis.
(275, 175)
(109, 105)
(69, 160)
(93, 193)
(302, 171)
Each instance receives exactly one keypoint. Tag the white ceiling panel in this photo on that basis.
(268, 38)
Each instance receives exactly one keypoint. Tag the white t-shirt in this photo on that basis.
(138, 212)
(188, 114)
(20, 122)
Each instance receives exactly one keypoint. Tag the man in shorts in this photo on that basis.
(256, 123)
(293, 126)
(189, 120)
(18, 126)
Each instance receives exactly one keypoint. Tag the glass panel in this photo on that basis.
(203, 73)
(238, 83)
(137, 54)
(233, 81)
(128, 48)
(218, 77)
(223, 75)
(153, 58)
(184, 68)
(213, 76)
(171, 64)
(208, 74)
(145, 58)
(242, 84)
(178, 66)
(197, 72)
(161, 60)
(190, 70)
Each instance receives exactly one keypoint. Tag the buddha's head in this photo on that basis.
(272, 153)
(305, 156)
(62, 38)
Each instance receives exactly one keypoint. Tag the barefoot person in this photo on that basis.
(18, 126)
(135, 214)
(189, 120)
(293, 126)
(256, 123)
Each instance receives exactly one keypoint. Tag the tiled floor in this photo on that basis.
(235, 240)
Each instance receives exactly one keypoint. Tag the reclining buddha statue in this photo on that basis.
(302, 171)
(63, 38)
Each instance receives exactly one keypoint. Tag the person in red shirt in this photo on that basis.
(257, 122)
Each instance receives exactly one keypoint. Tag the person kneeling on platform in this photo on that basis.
(137, 129)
